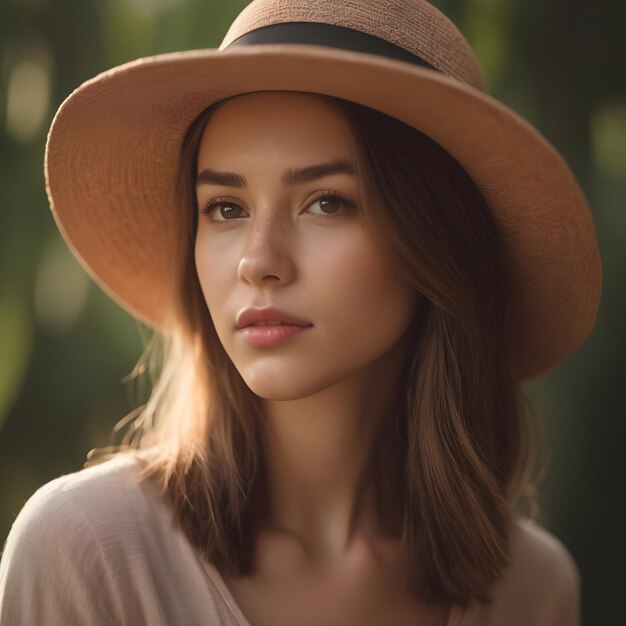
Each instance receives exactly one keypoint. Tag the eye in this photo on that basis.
(327, 201)
(231, 208)
(332, 200)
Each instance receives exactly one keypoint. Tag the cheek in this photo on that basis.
(363, 293)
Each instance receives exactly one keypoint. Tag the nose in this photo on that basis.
(267, 253)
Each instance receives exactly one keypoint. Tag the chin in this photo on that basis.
(271, 386)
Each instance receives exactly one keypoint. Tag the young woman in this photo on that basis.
(354, 257)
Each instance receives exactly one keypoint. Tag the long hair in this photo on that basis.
(465, 429)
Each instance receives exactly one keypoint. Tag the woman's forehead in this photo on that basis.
(264, 127)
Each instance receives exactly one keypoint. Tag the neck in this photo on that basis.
(334, 461)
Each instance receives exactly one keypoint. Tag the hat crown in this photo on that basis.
(414, 25)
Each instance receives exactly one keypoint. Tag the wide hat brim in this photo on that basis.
(113, 148)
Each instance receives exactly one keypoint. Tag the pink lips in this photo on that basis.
(263, 336)
(268, 314)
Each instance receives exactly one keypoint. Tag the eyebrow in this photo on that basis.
(290, 177)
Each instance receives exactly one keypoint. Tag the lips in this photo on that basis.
(252, 315)
(272, 324)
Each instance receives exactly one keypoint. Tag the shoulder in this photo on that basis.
(542, 583)
(76, 504)
(99, 546)
(535, 548)
(68, 500)
(87, 501)
(64, 538)
(106, 505)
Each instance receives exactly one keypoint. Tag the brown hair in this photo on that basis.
(467, 442)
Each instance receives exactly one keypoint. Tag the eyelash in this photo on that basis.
(323, 195)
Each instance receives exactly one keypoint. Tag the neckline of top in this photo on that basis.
(455, 618)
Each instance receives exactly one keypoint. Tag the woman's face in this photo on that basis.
(274, 244)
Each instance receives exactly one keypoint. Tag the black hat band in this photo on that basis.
(328, 35)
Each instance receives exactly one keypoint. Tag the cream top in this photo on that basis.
(97, 547)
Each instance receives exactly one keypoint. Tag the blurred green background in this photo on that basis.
(65, 348)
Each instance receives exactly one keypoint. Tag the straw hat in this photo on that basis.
(113, 147)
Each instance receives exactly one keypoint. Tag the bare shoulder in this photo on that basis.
(539, 554)
(543, 576)
(541, 586)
